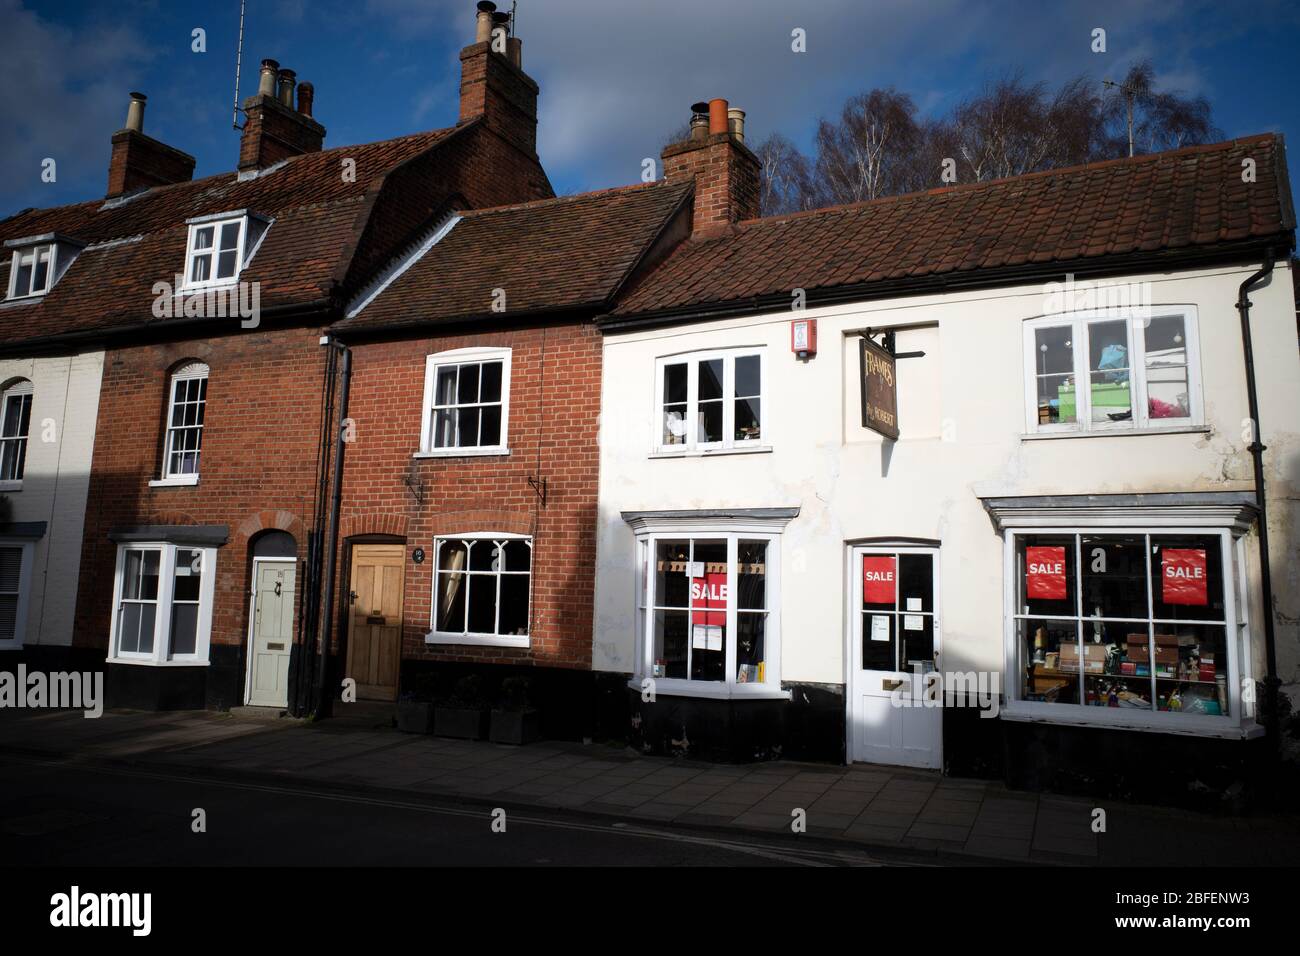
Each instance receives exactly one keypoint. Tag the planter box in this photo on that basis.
(415, 717)
(460, 723)
(516, 726)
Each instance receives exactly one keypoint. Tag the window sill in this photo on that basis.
(149, 662)
(498, 451)
(477, 640)
(181, 481)
(711, 690)
(1118, 432)
(710, 452)
(203, 288)
(11, 485)
(31, 297)
(1113, 718)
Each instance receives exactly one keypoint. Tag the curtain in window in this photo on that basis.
(451, 587)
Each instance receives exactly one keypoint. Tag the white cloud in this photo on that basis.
(65, 94)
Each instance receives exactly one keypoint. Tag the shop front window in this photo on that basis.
(707, 606)
(1134, 621)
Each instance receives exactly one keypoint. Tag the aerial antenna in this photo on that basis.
(514, 29)
(239, 59)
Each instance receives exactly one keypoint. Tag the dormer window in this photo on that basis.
(220, 246)
(37, 264)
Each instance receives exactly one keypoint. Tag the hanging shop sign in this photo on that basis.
(1182, 571)
(879, 389)
(1045, 573)
(879, 579)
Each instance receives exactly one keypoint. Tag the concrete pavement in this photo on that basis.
(868, 806)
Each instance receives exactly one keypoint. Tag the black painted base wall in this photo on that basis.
(142, 687)
(1203, 773)
(809, 726)
(48, 658)
(574, 705)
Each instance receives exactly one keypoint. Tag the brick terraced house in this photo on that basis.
(204, 302)
(469, 495)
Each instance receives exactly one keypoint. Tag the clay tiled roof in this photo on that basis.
(1155, 206)
(318, 214)
(549, 255)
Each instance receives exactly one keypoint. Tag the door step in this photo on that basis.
(252, 712)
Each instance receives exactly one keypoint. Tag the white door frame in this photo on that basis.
(853, 616)
(252, 616)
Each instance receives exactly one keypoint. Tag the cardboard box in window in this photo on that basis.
(1094, 658)
(1136, 649)
(1166, 649)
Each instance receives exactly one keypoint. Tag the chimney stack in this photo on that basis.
(139, 161)
(273, 129)
(726, 173)
(493, 84)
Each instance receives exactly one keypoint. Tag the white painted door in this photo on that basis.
(272, 633)
(895, 636)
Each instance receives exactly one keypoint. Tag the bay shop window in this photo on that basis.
(162, 603)
(708, 608)
(1131, 625)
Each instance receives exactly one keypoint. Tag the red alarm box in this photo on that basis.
(803, 337)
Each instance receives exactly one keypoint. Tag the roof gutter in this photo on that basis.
(1251, 251)
(73, 341)
(1257, 447)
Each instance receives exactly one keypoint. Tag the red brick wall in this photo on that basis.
(553, 420)
(726, 177)
(257, 470)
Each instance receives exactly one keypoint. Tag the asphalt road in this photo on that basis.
(68, 814)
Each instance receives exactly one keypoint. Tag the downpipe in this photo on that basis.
(324, 699)
(1256, 448)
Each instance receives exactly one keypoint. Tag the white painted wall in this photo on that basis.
(962, 415)
(65, 404)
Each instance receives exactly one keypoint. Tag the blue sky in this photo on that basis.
(616, 77)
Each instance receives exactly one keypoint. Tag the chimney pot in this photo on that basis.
(306, 93)
(717, 116)
(135, 112)
(266, 82)
(736, 123)
(288, 80)
(483, 21)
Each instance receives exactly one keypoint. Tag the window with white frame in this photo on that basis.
(466, 402)
(32, 270)
(1143, 623)
(188, 396)
(163, 603)
(481, 590)
(1113, 370)
(707, 612)
(709, 401)
(220, 246)
(15, 420)
(15, 579)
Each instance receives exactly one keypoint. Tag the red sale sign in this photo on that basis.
(879, 579)
(1182, 571)
(709, 591)
(1045, 573)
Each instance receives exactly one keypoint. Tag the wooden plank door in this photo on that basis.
(375, 619)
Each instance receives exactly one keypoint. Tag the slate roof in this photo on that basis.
(1159, 203)
(319, 215)
(548, 255)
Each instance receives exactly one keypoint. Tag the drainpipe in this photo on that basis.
(325, 698)
(1271, 682)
